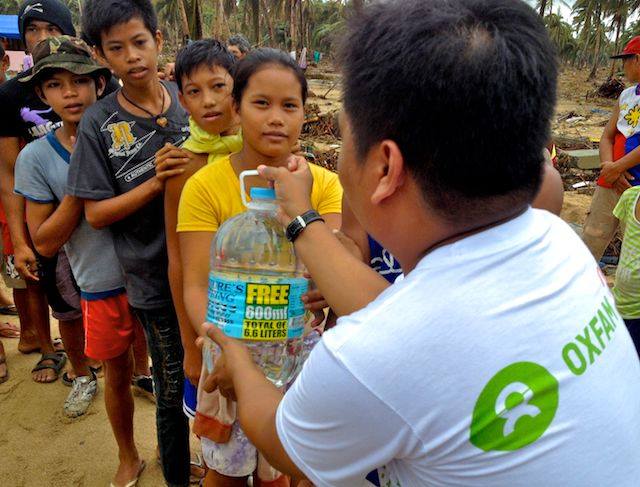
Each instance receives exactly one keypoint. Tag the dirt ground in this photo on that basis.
(39, 447)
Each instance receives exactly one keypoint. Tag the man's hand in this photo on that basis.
(621, 184)
(234, 356)
(293, 187)
(169, 162)
(192, 365)
(26, 262)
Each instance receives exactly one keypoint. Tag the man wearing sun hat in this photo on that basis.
(619, 156)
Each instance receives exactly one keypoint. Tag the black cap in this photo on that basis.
(52, 11)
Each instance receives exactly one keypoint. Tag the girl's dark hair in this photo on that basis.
(259, 59)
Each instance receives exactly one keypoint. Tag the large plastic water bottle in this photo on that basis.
(255, 287)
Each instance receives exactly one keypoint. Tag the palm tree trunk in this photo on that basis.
(184, 20)
(255, 8)
(543, 7)
(267, 16)
(596, 53)
(292, 24)
(619, 21)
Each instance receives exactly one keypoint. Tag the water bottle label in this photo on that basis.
(271, 310)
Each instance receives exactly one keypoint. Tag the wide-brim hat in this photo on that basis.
(64, 52)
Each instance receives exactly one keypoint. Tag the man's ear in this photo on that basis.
(388, 164)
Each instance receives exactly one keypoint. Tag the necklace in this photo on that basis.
(160, 119)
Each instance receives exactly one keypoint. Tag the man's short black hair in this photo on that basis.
(206, 52)
(466, 88)
(101, 15)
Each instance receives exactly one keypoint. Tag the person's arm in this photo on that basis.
(321, 428)
(102, 213)
(346, 282)
(188, 335)
(615, 172)
(51, 227)
(194, 251)
(13, 204)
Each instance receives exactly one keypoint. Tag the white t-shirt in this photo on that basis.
(500, 360)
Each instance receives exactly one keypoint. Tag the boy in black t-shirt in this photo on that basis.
(113, 169)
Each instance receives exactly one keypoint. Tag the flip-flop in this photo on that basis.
(3, 361)
(134, 482)
(58, 359)
(9, 330)
(9, 310)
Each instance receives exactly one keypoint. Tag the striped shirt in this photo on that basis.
(627, 285)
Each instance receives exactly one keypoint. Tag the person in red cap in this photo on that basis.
(619, 156)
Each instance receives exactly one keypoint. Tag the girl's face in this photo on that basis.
(272, 111)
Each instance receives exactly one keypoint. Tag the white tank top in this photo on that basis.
(629, 118)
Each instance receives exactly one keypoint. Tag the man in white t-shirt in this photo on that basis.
(500, 359)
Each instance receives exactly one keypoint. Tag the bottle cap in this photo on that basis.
(262, 194)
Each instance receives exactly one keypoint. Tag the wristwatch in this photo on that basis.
(299, 223)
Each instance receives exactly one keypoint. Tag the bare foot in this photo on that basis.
(128, 471)
(4, 371)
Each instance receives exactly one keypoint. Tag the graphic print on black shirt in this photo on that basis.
(115, 153)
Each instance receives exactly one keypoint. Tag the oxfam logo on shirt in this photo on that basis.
(515, 408)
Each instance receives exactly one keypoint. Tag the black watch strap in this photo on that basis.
(299, 223)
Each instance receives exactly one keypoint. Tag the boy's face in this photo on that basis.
(206, 95)
(39, 30)
(235, 50)
(631, 67)
(69, 95)
(131, 51)
(272, 111)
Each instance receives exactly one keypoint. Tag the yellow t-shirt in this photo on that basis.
(212, 196)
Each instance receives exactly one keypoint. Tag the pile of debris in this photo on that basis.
(318, 124)
(609, 89)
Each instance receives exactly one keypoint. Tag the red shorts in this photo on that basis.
(109, 324)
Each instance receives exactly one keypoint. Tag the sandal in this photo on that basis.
(134, 482)
(58, 359)
(9, 310)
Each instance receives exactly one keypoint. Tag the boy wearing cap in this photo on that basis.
(69, 80)
(25, 118)
(619, 155)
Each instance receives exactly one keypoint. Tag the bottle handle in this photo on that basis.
(243, 191)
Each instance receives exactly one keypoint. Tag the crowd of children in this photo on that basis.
(112, 205)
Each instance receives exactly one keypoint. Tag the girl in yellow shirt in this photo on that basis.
(269, 94)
